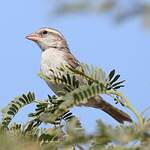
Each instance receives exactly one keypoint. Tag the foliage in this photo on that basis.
(65, 130)
(106, 137)
(120, 10)
(13, 107)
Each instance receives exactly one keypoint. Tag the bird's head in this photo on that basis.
(47, 38)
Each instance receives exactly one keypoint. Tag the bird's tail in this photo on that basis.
(114, 112)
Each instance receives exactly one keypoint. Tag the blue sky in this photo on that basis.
(92, 38)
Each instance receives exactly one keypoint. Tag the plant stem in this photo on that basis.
(40, 102)
(127, 104)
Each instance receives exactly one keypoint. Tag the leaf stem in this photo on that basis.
(127, 104)
(40, 102)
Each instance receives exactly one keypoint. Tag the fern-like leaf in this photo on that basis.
(88, 72)
(112, 81)
(44, 107)
(14, 106)
(73, 98)
(94, 72)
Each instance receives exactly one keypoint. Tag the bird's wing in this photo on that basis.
(72, 61)
(98, 102)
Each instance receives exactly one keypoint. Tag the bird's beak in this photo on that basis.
(33, 37)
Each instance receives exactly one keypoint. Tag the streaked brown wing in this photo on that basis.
(72, 61)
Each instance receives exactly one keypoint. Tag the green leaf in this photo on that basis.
(73, 98)
(118, 87)
(115, 79)
(116, 84)
(111, 74)
(14, 106)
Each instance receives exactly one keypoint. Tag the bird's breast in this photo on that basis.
(51, 59)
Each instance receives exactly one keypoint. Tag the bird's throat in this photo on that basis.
(52, 59)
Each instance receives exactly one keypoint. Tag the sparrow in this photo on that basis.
(55, 53)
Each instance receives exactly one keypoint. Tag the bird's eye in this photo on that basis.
(44, 32)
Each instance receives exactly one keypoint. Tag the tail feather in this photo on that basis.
(114, 112)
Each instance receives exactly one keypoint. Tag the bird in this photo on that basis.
(55, 52)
